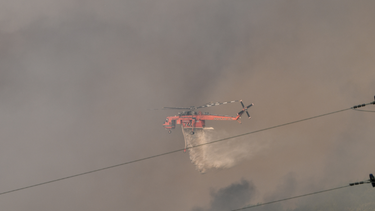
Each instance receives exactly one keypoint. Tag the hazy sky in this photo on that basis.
(77, 78)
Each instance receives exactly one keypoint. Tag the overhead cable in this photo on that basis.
(294, 197)
(171, 152)
(371, 180)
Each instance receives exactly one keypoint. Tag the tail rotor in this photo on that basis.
(244, 109)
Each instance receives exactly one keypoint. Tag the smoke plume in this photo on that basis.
(77, 78)
(234, 196)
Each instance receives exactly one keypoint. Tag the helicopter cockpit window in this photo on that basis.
(166, 120)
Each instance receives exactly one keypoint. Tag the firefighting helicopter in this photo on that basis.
(191, 119)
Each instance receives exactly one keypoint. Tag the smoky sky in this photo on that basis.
(77, 79)
(234, 196)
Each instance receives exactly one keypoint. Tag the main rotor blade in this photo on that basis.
(204, 106)
(243, 106)
(248, 114)
(216, 104)
(182, 108)
(249, 105)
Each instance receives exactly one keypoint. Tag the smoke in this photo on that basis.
(234, 196)
(77, 78)
(355, 198)
(220, 155)
(351, 198)
(285, 189)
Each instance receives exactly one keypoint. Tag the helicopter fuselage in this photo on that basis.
(192, 119)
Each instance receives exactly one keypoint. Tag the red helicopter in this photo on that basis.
(192, 119)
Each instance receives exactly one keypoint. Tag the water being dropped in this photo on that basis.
(224, 154)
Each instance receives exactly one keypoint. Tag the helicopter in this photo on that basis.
(191, 119)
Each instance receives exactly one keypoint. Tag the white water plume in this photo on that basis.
(223, 154)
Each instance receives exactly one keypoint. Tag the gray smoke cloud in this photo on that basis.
(77, 78)
(234, 196)
(285, 189)
(357, 198)
(350, 198)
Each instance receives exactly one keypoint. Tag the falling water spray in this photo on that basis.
(219, 155)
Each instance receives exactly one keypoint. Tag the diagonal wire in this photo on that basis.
(280, 200)
(362, 110)
(170, 152)
(269, 128)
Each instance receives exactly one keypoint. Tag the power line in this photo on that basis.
(371, 180)
(174, 151)
(269, 128)
(294, 197)
(355, 108)
(362, 110)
